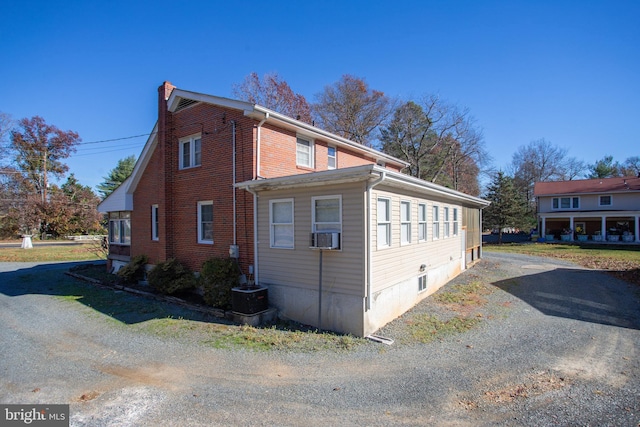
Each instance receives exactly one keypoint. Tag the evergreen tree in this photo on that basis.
(508, 208)
(117, 176)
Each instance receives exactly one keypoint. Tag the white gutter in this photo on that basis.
(369, 247)
(257, 175)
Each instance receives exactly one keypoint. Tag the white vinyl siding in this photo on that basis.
(405, 223)
(281, 223)
(190, 152)
(304, 152)
(422, 222)
(205, 222)
(384, 223)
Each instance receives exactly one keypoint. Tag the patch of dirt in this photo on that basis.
(535, 385)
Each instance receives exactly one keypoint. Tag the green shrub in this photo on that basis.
(218, 276)
(133, 272)
(171, 276)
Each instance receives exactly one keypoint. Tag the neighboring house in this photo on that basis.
(221, 177)
(591, 209)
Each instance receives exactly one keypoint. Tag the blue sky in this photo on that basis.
(566, 71)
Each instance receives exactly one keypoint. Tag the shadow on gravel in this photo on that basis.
(49, 279)
(583, 295)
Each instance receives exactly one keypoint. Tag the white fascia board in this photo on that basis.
(118, 200)
(178, 94)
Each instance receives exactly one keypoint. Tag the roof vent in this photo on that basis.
(184, 103)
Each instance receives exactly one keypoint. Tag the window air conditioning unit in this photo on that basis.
(325, 240)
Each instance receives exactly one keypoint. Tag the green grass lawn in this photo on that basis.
(59, 252)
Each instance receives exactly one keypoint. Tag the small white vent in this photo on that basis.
(325, 240)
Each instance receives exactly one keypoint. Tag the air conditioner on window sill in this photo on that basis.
(325, 240)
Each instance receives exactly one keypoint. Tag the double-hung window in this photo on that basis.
(455, 221)
(436, 223)
(447, 224)
(304, 152)
(331, 157)
(120, 228)
(154, 223)
(281, 223)
(190, 152)
(422, 222)
(605, 201)
(384, 223)
(566, 203)
(205, 222)
(405, 222)
(327, 213)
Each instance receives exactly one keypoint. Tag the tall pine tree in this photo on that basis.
(508, 208)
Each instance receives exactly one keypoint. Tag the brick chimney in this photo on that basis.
(166, 151)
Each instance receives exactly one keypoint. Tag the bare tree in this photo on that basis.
(6, 123)
(631, 166)
(274, 93)
(440, 141)
(350, 109)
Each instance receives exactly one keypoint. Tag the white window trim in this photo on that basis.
(154, 223)
(120, 239)
(200, 204)
(455, 221)
(311, 151)
(192, 153)
(422, 222)
(334, 157)
(313, 212)
(435, 220)
(559, 199)
(405, 222)
(446, 222)
(422, 283)
(272, 224)
(386, 223)
(605, 195)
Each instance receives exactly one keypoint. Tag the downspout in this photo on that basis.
(369, 248)
(255, 234)
(233, 137)
(266, 116)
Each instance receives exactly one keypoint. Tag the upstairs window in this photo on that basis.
(605, 201)
(422, 222)
(566, 203)
(304, 152)
(190, 152)
(405, 223)
(331, 157)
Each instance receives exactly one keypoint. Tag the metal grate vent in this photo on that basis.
(184, 103)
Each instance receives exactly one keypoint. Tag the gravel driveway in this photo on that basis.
(557, 345)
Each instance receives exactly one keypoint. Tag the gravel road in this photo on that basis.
(557, 345)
